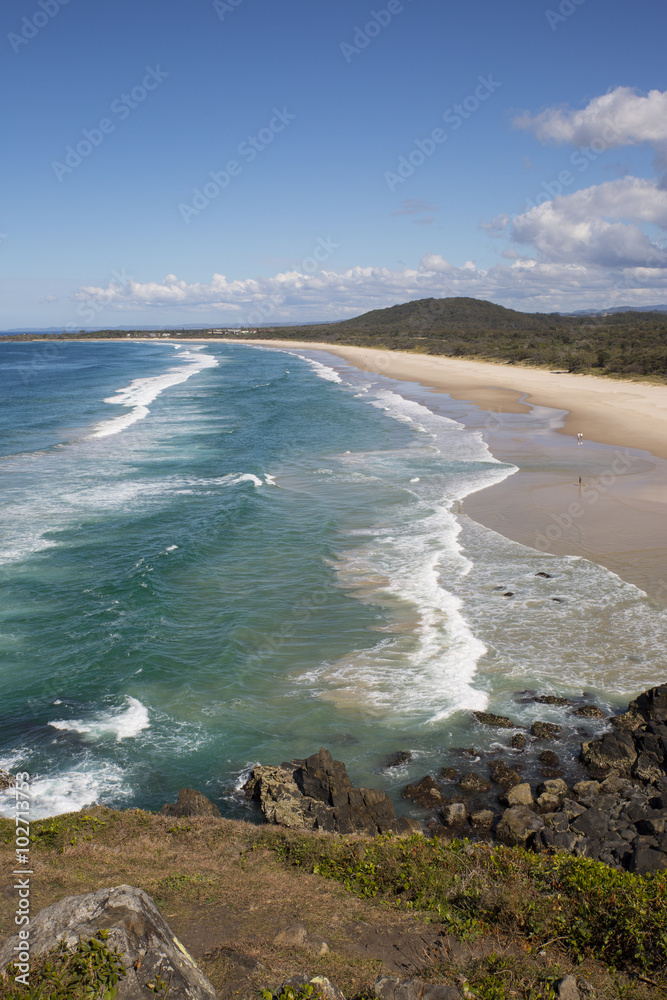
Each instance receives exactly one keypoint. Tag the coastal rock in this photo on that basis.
(190, 803)
(552, 699)
(549, 759)
(612, 752)
(519, 795)
(454, 814)
(545, 730)
(589, 712)
(317, 794)
(518, 742)
(397, 759)
(518, 825)
(483, 819)
(136, 929)
(651, 706)
(474, 783)
(425, 793)
(503, 775)
(390, 988)
(500, 721)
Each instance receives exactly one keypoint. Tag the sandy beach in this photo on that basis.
(616, 514)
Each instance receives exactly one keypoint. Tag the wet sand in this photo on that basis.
(616, 515)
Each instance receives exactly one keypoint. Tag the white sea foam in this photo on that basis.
(123, 724)
(142, 391)
(323, 371)
(70, 791)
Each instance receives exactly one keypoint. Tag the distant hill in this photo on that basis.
(620, 343)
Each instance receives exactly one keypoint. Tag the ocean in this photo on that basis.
(215, 555)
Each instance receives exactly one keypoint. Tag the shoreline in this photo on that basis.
(616, 516)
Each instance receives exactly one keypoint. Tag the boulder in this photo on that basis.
(474, 783)
(566, 989)
(317, 794)
(500, 721)
(555, 786)
(454, 814)
(518, 742)
(397, 759)
(483, 819)
(190, 803)
(612, 752)
(518, 825)
(552, 699)
(323, 987)
(519, 795)
(545, 731)
(549, 758)
(425, 793)
(503, 775)
(589, 712)
(648, 707)
(136, 929)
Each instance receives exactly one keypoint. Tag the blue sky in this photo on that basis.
(246, 161)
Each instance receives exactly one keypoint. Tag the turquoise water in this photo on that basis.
(215, 555)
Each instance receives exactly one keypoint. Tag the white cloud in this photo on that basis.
(528, 284)
(599, 225)
(620, 118)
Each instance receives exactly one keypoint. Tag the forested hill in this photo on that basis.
(627, 343)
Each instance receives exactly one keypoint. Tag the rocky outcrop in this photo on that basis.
(391, 988)
(317, 794)
(637, 745)
(136, 929)
(190, 803)
(500, 721)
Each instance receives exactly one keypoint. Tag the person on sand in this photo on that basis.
(580, 438)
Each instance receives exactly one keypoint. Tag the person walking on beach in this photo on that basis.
(580, 438)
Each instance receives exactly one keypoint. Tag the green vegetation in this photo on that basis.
(591, 909)
(91, 971)
(630, 344)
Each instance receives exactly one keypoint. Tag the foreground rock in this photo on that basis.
(136, 929)
(317, 794)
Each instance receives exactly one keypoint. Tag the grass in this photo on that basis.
(499, 923)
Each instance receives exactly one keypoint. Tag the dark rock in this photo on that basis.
(559, 600)
(448, 773)
(589, 712)
(397, 759)
(317, 794)
(518, 741)
(518, 825)
(545, 576)
(489, 719)
(503, 775)
(549, 758)
(592, 823)
(552, 699)
(136, 928)
(648, 707)
(565, 841)
(612, 752)
(545, 730)
(425, 793)
(551, 772)
(190, 803)
(646, 860)
(508, 593)
(474, 783)
(653, 822)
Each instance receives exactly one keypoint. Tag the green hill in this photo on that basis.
(627, 343)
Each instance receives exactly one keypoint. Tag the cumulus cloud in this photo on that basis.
(528, 284)
(623, 115)
(598, 225)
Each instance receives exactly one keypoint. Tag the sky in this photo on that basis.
(246, 162)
